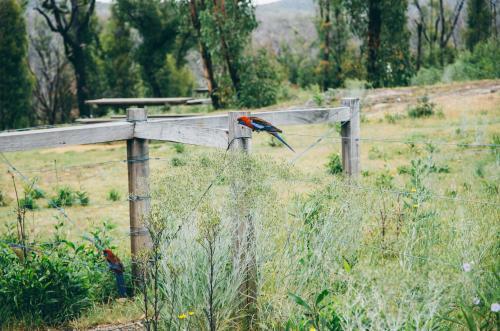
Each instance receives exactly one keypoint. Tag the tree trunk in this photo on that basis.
(205, 55)
(419, 45)
(326, 22)
(374, 29)
(79, 66)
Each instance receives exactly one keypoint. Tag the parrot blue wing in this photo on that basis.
(277, 136)
(120, 284)
(262, 125)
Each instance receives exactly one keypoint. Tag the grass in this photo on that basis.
(387, 284)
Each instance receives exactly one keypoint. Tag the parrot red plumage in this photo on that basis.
(116, 266)
(258, 124)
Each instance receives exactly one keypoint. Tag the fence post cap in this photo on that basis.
(137, 114)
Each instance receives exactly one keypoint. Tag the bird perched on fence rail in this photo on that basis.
(258, 125)
(116, 266)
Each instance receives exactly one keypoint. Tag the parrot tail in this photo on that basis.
(120, 284)
(277, 136)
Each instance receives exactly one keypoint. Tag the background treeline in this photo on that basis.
(68, 53)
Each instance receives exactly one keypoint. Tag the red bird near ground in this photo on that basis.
(258, 124)
(116, 266)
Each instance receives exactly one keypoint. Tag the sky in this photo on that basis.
(257, 2)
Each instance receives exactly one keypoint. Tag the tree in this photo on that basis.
(437, 29)
(333, 34)
(195, 8)
(53, 93)
(226, 30)
(15, 78)
(160, 26)
(382, 25)
(75, 25)
(120, 70)
(479, 18)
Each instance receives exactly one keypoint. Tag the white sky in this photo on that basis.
(258, 2)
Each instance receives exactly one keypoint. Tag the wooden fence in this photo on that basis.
(218, 131)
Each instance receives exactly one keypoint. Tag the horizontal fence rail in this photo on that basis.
(208, 131)
(58, 137)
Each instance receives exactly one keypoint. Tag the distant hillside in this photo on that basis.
(285, 21)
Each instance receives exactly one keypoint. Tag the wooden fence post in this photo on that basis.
(138, 188)
(350, 133)
(244, 236)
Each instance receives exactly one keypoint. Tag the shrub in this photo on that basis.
(51, 288)
(67, 197)
(393, 118)
(334, 164)
(82, 198)
(178, 162)
(260, 82)
(114, 195)
(424, 108)
(35, 193)
(483, 63)
(179, 148)
(28, 203)
(427, 76)
(175, 81)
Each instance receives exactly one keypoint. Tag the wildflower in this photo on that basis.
(182, 316)
(191, 313)
(312, 328)
(495, 307)
(467, 267)
(476, 301)
(414, 190)
(415, 206)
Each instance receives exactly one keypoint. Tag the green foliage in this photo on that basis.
(334, 165)
(427, 76)
(28, 203)
(178, 162)
(15, 79)
(393, 118)
(260, 81)
(318, 314)
(174, 80)
(159, 37)
(67, 197)
(384, 180)
(114, 195)
(50, 289)
(479, 25)
(119, 68)
(333, 33)
(34, 192)
(424, 108)
(483, 63)
(179, 148)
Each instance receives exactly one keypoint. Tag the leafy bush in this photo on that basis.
(179, 148)
(28, 203)
(334, 164)
(114, 195)
(82, 198)
(483, 63)
(424, 108)
(175, 81)
(50, 289)
(427, 76)
(178, 162)
(260, 82)
(35, 192)
(67, 197)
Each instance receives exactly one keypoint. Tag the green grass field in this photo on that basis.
(404, 252)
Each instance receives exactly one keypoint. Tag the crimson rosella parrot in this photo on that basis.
(258, 124)
(116, 266)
